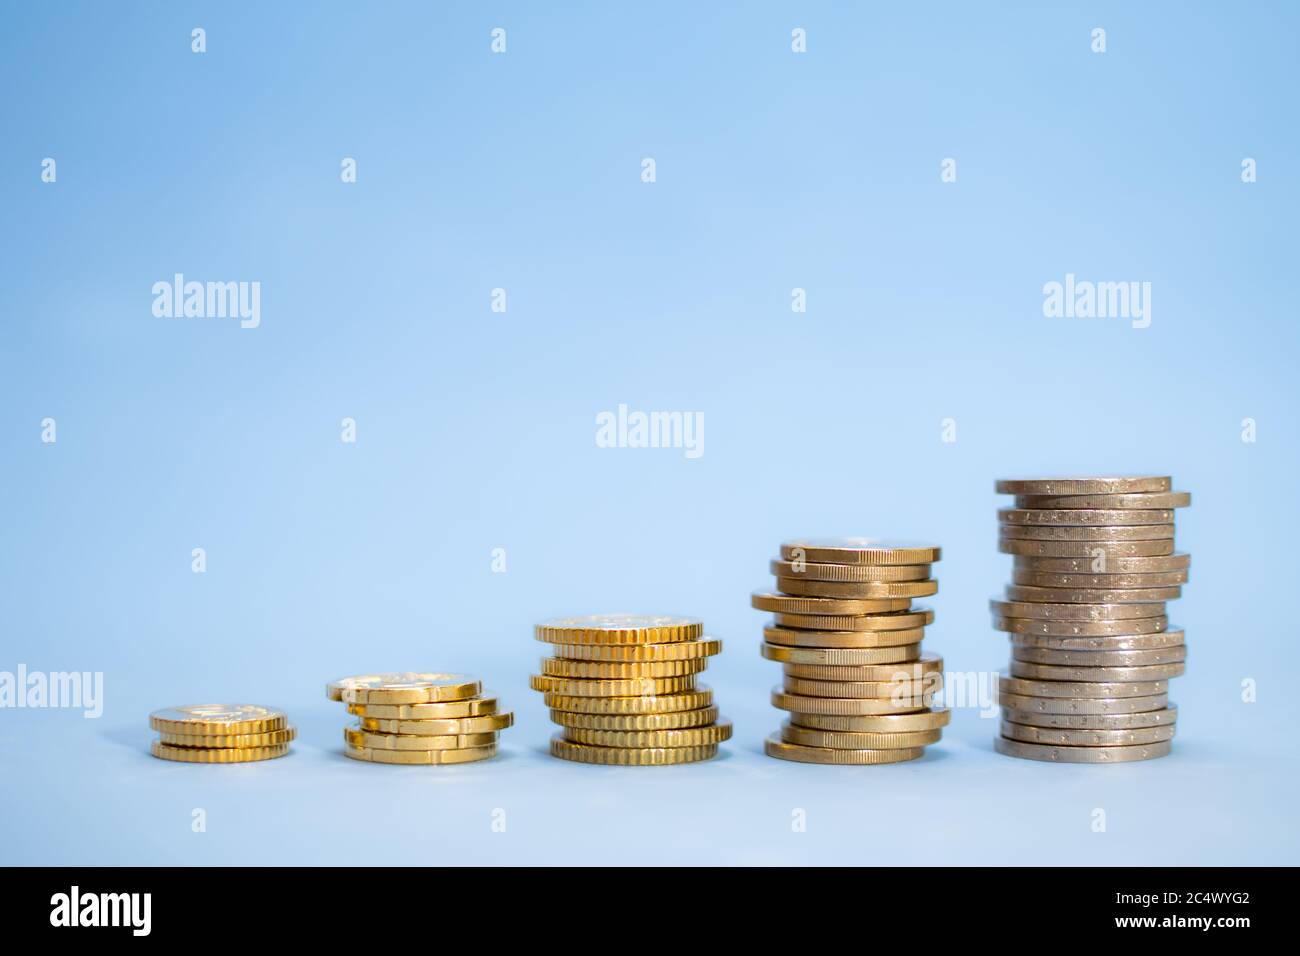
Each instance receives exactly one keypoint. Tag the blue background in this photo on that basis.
(476, 429)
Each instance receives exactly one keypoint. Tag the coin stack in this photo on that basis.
(1091, 647)
(622, 687)
(220, 733)
(419, 718)
(857, 686)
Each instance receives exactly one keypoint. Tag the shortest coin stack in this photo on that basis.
(622, 688)
(220, 733)
(425, 719)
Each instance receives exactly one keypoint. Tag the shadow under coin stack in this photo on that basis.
(220, 733)
(1091, 648)
(857, 686)
(419, 718)
(622, 687)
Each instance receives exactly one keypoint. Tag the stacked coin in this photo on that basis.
(220, 733)
(1091, 647)
(857, 685)
(419, 718)
(622, 687)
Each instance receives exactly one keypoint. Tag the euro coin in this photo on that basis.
(268, 739)
(1146, 718)
(609, 670)
(1024, 687)
(879, 690)
(847, 706)
(1076, 612)
(1107, 564)
(1085, 518)
(630, 756)
(1138, 484)
(1053, 754)
(924, 665)
(452, 726)
(843, 656)
(1145, 658)
(1079, 705)
(422, 757)
(1055, 579)
(217, 719)
(1094, 642)
(806, 737)
(790, 604)
(1102, 536)
(855, 573)
(407, 688)
(1087, 738)
(619, 629)
(921, 720)
(796, 637)
(665, 704)
(893, 621)
(1104, 675)
(866, 551)
(359, 739)
(451, 709)
(774, 746)
(632, 687)
(651, 739)
(1022, 592)
(1139, 500)
(217, 754)
(1023, 547)
(672, 721)
(1028, 625)
(852, 589)
(630, 653)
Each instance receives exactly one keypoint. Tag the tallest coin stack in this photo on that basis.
(1091, 647)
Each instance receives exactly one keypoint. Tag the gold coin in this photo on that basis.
(422, 757)
(1140, 484)
(632, 687)
(892, 621)
(630, 756)
(1084, 518)
(1107, 564)
(1016, 748)
(361, 740)
(871, 591)
(673, 721)
(666, 704)
(868, 551)
(847, 706)
(1112, 642)
(217, 754)
(629, 653)
(774, 746)
(792, 637)
(1076, 612)
(806, 737)
(1087, 738)
(624, 670)
(1103, 675)
(1144, 658)
(789, 604)
(855, 573)
(1024, 592)
(1146, 718)
(1141, 500)
(452, 726)
(842, 656)
(650, 739)
(876, 690)
(916, 670)
(447, 710)
(219, 719)
(620, 629)
(879, 724)
(1055, 579)
(1029, 625)
(1022, 547)
(408, 688)
(268, 739)
(1078, 705)
(1103, 537)
(1080, 689)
